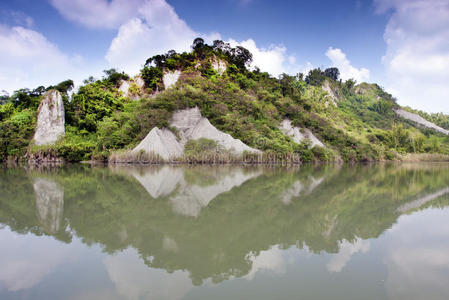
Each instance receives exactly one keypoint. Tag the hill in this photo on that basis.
(312, 117)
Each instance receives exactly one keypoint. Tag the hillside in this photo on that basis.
(313, 117)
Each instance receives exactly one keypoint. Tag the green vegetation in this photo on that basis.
(109, 207)
(247, 104)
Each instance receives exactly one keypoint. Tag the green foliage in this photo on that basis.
(152, 77)
(315, 77)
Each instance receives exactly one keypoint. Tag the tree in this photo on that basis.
(332, 73)
(114, 77)
(315, 77)
(198, 43)
(64, 86)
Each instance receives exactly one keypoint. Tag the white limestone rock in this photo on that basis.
(171, 78)
(219, 66)
(331, 95)
(124, 88)
(50, 119)
(192, 126)
(298, 136)
(161, 142)
(419, 120)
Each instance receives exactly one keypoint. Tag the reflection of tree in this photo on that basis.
(325, 206)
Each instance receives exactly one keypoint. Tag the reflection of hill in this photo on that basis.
(187, 197)
(252, 210)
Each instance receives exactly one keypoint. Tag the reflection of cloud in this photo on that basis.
(269, 260)
(347, 250)
(27, 259)
(134, 280)
(418, 259)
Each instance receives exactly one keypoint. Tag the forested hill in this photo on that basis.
(315, 116)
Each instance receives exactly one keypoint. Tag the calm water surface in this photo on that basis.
(350, 232)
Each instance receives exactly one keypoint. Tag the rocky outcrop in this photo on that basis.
(419, 120)
(219, 66)
(133, 88)
(299, 135)
(50, 119)
(161, 142)
(171, 78)
(190, 125)
(331, 94)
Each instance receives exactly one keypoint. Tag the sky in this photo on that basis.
(403, 45)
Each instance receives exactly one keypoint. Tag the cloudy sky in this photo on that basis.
(401, 44)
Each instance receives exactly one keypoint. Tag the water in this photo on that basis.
(229, 232)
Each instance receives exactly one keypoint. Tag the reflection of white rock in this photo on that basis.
(421, 201)
(292, 192)
(189, 198)
(158, 182)
(418, 256)
(50, 119)
(298, 187)
(299, 135)
(347, 250)
(269, 260)
(49, 204)
(171, 78)
(133, 280)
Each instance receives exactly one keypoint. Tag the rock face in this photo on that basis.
(50, 119)
(191, 125)
(219, 66)
(124, 88)
(298, 136)
(170, 78)
(161, 142)
(419, 120)
(327, 88)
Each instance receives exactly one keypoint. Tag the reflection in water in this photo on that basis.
(191, 189)
(171, 226)
(346, 250)
(49, 204)
(418, 258)
(133, 280)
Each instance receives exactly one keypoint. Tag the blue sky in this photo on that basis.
(401, 44)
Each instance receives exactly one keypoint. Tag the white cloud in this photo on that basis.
(28, 59)
(417, 56)
(98, 13)
(134, 280)
(271, 260)
(346, 251)
(347, 71)
(156, 30)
